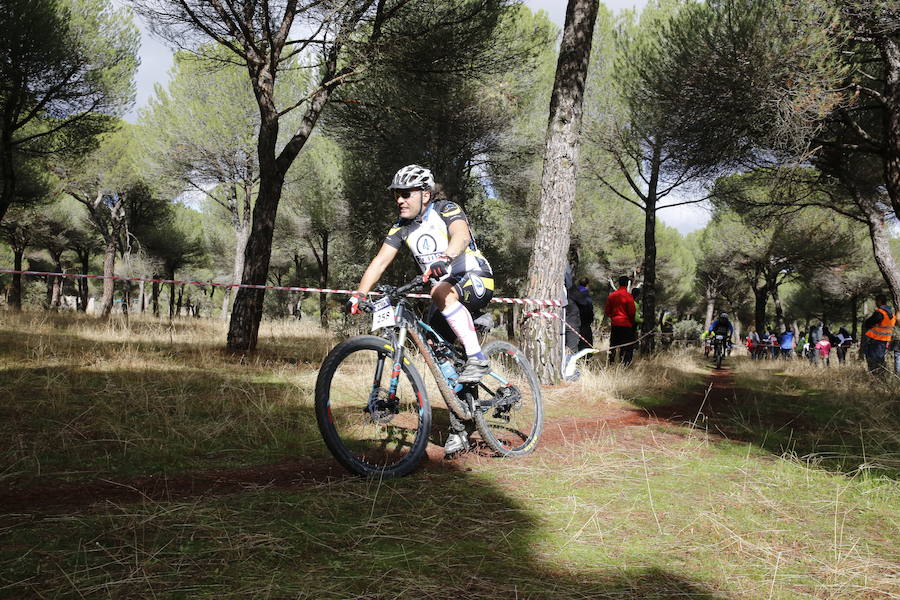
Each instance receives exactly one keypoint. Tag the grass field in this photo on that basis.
(784, 486)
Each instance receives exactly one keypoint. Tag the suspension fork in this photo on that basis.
(397, 361)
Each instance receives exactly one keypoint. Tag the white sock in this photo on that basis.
(461, 322)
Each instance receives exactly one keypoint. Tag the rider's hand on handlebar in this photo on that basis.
(353, 306)
(438, 268)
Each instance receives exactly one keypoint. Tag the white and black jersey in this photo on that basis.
(428, 237)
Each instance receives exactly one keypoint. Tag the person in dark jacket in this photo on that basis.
(815, 334)
(573, 314)
(621, 312)
(844, 340)
(586, 311)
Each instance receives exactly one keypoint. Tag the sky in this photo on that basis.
(156, 60)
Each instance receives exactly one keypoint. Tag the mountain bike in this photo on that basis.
(719, 347)
(373, 408)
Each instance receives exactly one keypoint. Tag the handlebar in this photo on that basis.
(392, 292)
(395, 293)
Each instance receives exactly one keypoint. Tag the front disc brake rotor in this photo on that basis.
(381, 409)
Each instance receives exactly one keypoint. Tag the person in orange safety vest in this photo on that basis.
(878, 330)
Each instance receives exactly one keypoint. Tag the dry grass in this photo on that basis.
(840, 417)
(91, 398)
(662, 376)
(632, 513)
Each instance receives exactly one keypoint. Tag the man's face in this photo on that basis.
(410, 202)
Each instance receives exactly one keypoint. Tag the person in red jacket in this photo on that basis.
(621, 312)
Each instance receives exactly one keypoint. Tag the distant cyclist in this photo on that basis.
(438, 235)
(722, 326)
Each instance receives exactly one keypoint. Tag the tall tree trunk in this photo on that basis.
(170, 275)
(56, 291)
(779, 310)
(889, 47)
(154, 297)
(83, 289)
(548, 258)
(648, 291)
(321, 256)
(109, 270)
(7, 169)
(710, 307)
(881, 246)
(854, 310)
(761, 298)
(240, 236)
(126, 298)
(57, 282)
(243, 329)
(142, 297)
(179, 304)
(15, 299)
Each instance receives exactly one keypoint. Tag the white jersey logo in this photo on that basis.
(477, 285)
(425, 244)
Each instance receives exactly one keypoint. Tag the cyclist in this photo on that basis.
(722, 326)
(437, 233)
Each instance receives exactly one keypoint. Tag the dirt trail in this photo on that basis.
(62, 496)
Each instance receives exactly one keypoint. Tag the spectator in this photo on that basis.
(573, 315)
(787, 344)
(878, 329)
(844, 340)
(801, 346)
(773, 345)
(586, 312)
(815, 334)
(757, 347)
(823, 348)
(832, 338)
(620, 309)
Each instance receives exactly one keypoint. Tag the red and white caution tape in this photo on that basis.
(253, 287)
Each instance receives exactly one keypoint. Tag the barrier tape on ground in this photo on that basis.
(254, 287)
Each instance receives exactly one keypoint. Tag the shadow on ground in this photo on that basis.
(835, 431)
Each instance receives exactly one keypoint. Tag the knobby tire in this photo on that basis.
(518, 435)
(389, 445)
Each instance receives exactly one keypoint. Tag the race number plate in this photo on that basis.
(719, 337)
(383, 314)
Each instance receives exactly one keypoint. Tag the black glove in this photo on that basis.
(438, 268)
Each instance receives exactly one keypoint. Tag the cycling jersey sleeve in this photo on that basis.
(394, 237)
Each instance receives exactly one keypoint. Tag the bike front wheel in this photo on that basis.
(368, 430)
(509, 412)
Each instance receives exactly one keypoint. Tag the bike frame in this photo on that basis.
(409, 325)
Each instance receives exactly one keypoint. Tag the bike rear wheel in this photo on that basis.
(369, 432)
(509, 412)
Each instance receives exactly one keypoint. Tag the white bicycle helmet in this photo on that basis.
(412, 177)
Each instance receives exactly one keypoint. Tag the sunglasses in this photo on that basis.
(404, 193)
